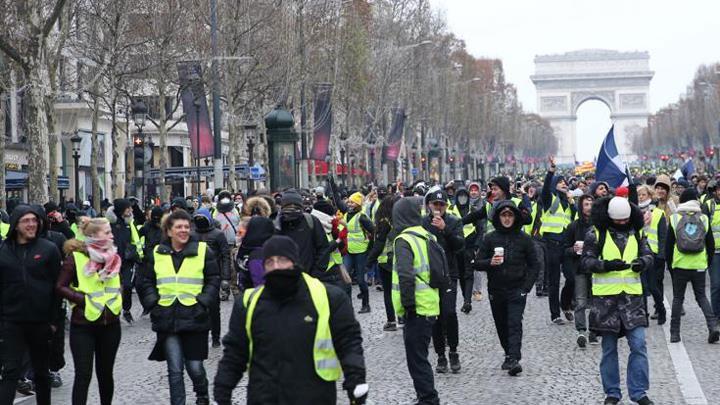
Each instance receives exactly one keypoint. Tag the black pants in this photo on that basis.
(215, 318)
(541, 282)
(386, 279)
(467, 275)
(99, 343)
(653, 284)
(507, 308)
(19, 339)
(127, 278)
(553, 268)
(697, 278)
(57, 343)
(447, 323)
(416, 336)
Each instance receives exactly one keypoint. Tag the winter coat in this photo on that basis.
(576, 231)
(546, 196)
(615, 313)
(249, 261)
(329, 227)
(29, 273)
(177, 317)
(282, 367)
(207, 232)
(227, 216)
(521, 264)
(451, 239)
(123, 238)
(255, 206)
(311, 240)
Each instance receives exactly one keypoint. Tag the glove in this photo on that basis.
(358, 395)
(614, 265)
(637, 265)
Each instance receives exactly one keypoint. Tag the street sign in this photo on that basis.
(256, 172)
(414, 171)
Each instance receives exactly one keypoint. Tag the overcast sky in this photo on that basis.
(680, 36)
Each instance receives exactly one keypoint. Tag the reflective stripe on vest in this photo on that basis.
(327, 365)
(533, 213)
(651, 230)
(427, 300)
(555, 219)
(135, 239)
(98, 293)
(357, 241)
(453, 210)
(335, 256)
(621, 281)
(714, 211)
(184, 285)
(688, 261)
(489, 210)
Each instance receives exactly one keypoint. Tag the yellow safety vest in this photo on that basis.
(186, 284)
(453, 210)
(714, 211)
(555, 219)
(621, 281)
(78, 234)
(327, 365)
(98, 293)
(383, 258)
(135, 239)
(335, 255)
(427, 299)
(490, 211)
(651, 230)
(533, 214)
(4, 229)
(688, 261)
(357, 241)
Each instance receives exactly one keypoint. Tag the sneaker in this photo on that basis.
(477, 296)
(202, 400)
(55, 379)
(581, 340)
(216, 343)
(364, 310)
(682, 311)
(466, 308)
(128, 317)
(611, 401)
(390, 327)
(662, 317)
(454, 362)
(593, 338)
(506, 364)
(714, 336)
(558, 321)
(569, 315)
(401, 320)
(515, 368)
(378, 287)
(655, 315)
(145, 313)
(674, 337)
(442, 365)
(25, 387)
(359, 296)
(645, 401)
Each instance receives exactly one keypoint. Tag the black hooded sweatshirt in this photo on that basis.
(206, 231)
(451, 239)
(521, 265)
(574, 232)
(28, 273)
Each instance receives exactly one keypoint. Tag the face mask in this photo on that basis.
(462, 199)
(282, 283)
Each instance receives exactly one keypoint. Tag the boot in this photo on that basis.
(128, 317)
(442, 365)
(713, 337)
(202, 400)
(581, 340)
(611, 401)
(593, 338)
(674, 336)
(215, 342)
(466, 308)
(57, 382)
(506, 364)
(515, 368)
(655, 315)
(661, 316)
(454, 362)
(390, 327)
(364, 310)
(645, 401)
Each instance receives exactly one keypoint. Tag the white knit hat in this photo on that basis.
(619, 208)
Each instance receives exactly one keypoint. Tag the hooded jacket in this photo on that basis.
(311, 240)
(256, 206)
(28, 274)
(406, 214)
(206, 231)
(451, 239)
(521, 264)
(689, 206)
(249, 260)
(595, 185)
(574, 232)
(546, 196)
(151, 231)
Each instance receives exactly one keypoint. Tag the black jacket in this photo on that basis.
(152, 233)
(215, 238)
(670, 241)
(521, 265)
(311, 241)
(123, 241)
(406, 214)
(383, 233)
(282, 367)
(574, 232)
(28, 274)
(177, 317)
(451, 239)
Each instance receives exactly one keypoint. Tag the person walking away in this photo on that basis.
(556, 216)
(382, 254)
(151, 233)
(509, 257)
(90, 281)
(228, 218)
(689, 250)
(205, 231)
(29, 268)
(574, 240)
(179, 286)
(120, 217)
(466, 256)
(359, 229)
(334, 274)
(712, 210)
(448, 231)
(251, 272)
(615, 252)
(294, 335)
(412, 297)
(655, 231)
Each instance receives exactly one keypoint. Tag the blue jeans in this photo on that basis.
(355, 265)
(638, 372)
(715, 285)
(175, 363)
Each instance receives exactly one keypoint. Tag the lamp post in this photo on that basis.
(250, 135)
(194, 80)
(343, 165)
(282, 151)
(75, 140)
(352, 166)
(371, 144)
(139, 114)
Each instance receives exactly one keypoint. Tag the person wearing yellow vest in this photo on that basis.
(556, 215)
(360, 229)
(333, 272)
(90, 281)
(179, 285)
(126, 236)
(688, 259)
(712, 210)
(412, 295)
(4, 228)
(295, 337)
(616, 253)
(655, 231)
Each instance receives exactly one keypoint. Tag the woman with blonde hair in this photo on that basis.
(90, 281)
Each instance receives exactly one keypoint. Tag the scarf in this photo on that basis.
(104, 259)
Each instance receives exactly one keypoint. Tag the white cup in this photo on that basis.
(500, 252)
(579, 244)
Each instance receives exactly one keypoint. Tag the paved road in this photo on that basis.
(556, 371)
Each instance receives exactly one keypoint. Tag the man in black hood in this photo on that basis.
(120, 217)
(509, 257)
(463, 202)
(29, 267)
(151, 232)
(56, 220)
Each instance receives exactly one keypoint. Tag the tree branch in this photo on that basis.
(52, 19)
(12, 52)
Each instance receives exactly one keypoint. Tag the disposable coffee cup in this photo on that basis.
(580, 244)
(500, 252)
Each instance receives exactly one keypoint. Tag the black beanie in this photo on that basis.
(120, 205)
(688, 194)
(51, 206)
(279, 245)
(325, 207)
(291, 197)
(503, 183)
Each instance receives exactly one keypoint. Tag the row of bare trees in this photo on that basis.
(377, 56)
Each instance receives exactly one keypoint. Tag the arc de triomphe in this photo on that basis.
(621, 80)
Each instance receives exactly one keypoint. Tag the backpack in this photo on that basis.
(690, 233)
(439, 268)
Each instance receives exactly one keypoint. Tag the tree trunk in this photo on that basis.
(37, 77)
(233, 129)
(95, 150)
(117, 189)
(2, 150)
(54, 190)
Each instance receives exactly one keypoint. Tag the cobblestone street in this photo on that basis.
(556, 371)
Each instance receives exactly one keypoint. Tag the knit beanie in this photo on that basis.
(688, 195)
(619, 208)
(291, 197)
(283, 246)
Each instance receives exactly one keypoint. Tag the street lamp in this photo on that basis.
(250, 135)
(343, 165)
(76, 140)
(371, 144)
(352, 165)
(139, 114)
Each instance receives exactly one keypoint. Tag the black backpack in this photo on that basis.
(439, 268)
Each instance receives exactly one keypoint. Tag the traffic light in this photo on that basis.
(139, 153)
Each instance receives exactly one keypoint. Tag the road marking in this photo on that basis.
(684, 371)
